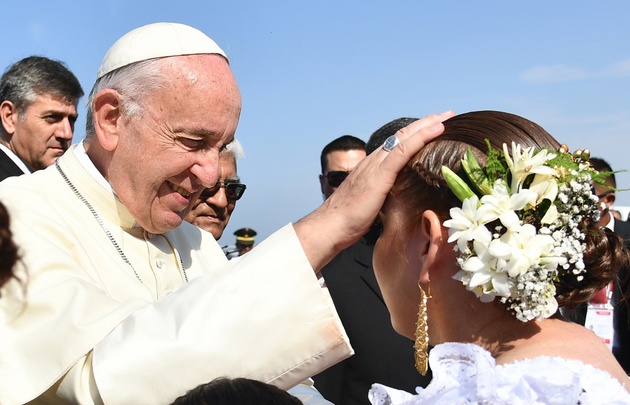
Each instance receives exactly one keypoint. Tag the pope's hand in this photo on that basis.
(350, 211)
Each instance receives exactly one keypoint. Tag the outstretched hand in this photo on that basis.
(350, 211)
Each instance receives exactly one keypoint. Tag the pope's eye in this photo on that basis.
(192, 143)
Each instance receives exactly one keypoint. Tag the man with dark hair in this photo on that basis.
(338, 158)
(38, 109)
(381, 354)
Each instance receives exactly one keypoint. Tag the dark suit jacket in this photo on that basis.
(381, 354)
(621, 321)
(8, 168)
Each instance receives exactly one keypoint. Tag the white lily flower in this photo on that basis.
(525, 163)
(501, 205)
(481, 273)
(500, 285)
(551, 215)
(545, 186)
(527, 248)
(467, 223)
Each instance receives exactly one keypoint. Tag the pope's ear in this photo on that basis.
(106, 111)
(433, 243)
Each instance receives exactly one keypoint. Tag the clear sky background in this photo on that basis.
(310, 71)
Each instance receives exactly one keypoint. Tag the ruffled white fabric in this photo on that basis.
(467, 374)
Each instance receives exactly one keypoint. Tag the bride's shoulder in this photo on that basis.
(467, 371)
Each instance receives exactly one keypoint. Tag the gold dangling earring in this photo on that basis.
(421, 344)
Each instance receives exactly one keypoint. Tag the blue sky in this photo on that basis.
(312, 71)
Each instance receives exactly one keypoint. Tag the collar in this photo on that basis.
(16, 159)
(84, 159)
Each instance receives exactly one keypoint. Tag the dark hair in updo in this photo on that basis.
(422, 185)
(237, 391)
(8, 250)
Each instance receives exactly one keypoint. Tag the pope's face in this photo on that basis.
(44, 131)
(213, 212)
(168, 154)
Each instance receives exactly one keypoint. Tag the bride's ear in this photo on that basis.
(433, 242)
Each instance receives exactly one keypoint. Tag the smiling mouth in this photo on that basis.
(181, 191)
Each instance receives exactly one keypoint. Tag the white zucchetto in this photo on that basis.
(157, 40)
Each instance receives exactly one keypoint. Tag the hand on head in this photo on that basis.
(352, 209)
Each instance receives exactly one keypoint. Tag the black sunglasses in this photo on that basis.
(233, 191)
(335, 178)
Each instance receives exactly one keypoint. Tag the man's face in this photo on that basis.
(242, 249)
(166, 156)
(43, 132)
(213, 212)
(338, 161)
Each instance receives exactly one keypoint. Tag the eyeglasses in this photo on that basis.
(335, 178)
(233, 191)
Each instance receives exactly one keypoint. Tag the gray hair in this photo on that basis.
(133, 83)
(235, 148)
(23, 81)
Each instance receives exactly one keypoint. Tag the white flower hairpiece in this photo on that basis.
(523, 225)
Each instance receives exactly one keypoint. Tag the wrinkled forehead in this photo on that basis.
(196, 82)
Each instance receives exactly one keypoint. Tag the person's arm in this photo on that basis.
(348, 214)
(260, 316)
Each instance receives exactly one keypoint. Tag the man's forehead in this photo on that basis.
(53, 102)
(345, 154)
(157, 40)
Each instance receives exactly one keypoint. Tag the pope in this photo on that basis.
(118, 300)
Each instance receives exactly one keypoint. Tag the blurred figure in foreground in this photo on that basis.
(237, 391)
(8, 250)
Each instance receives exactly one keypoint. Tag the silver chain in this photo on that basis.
(102, 224)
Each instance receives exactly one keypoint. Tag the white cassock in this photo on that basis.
(100, 324)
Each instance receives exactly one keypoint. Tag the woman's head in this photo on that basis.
(422, 188)
(423, 177)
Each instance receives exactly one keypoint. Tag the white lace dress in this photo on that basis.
(467, 374)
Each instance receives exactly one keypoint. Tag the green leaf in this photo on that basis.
(456, 184)
(476, 174)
